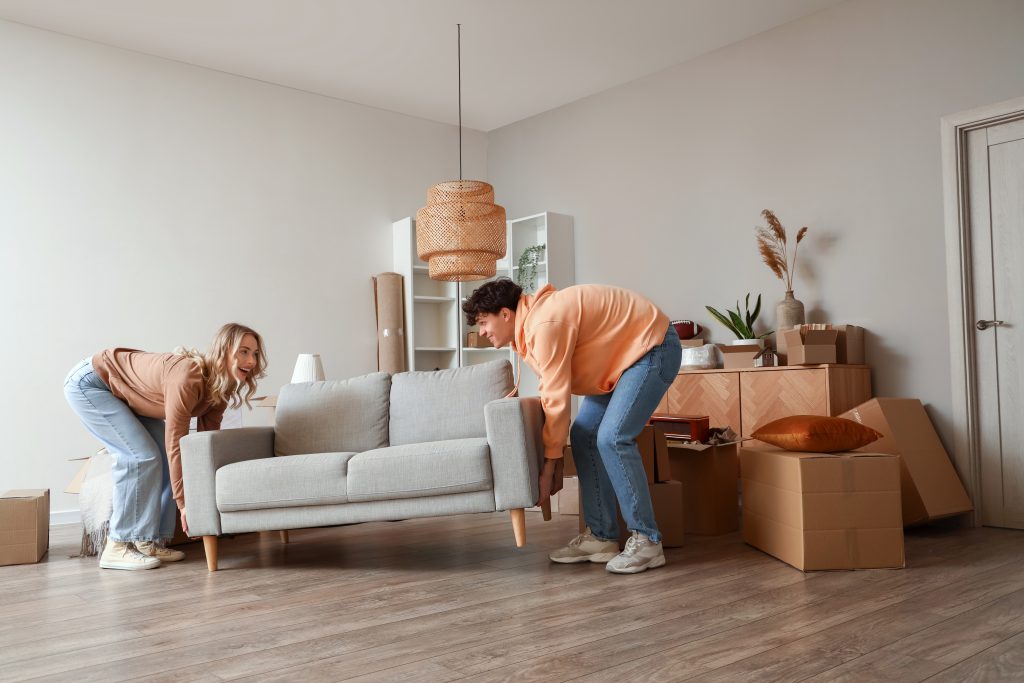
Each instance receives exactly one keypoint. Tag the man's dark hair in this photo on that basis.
(491, 298)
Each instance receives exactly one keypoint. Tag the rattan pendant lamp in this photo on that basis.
(460, 233)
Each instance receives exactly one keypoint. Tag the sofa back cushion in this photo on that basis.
(445, 404)
(333, 416)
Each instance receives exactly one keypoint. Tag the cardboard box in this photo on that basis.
(823, 511)
(849, 344)
(646, 443)
(569, 497)
(710, 479)
(569, 465)
(667, 500)
(475, 341)
(930, 485)
(691, 343)
(810, 347)
(739, 355)
(24, 526)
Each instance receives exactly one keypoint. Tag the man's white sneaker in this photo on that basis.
(124, 555)
(160, 552)
(640, 554)
(586, 548)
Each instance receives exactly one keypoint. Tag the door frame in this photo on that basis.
(959, 279)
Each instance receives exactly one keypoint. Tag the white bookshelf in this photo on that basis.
(436, 327)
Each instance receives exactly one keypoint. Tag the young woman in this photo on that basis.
(618, 350)
(139, 405)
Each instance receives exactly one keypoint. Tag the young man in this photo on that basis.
(618, 350)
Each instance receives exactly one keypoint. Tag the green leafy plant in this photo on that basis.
(527, 273)
(740, 323)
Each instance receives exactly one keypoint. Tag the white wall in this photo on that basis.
(145, 202)
(833, 121)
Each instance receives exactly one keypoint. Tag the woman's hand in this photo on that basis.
(551, 479)
(184, 523)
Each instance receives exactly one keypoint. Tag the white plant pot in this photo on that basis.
(747, 342)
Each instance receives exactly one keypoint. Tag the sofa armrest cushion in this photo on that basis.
(514, 428)
(202, 455)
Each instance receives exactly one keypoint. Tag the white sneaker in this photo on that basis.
(160, 552)
(639, 555)
(124, 555)
(586, 548)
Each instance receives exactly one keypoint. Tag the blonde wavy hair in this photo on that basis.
(218, 365)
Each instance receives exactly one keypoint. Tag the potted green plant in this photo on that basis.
(741, 323)
(526, 276)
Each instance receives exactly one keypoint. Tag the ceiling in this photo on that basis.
(519, 57)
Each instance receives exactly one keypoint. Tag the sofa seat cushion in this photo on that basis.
(433, 468)
(282, 482)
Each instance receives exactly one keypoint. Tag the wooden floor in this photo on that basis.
(452, 599)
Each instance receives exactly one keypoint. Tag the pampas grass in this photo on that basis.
(772, 242)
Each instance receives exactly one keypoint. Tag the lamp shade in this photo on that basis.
(308, 368)
(460, 233)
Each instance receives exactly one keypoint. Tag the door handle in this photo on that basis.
(985, 324)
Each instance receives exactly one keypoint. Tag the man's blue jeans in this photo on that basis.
(143, 507)
(604, 443)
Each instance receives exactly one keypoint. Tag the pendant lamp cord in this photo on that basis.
(459, 57)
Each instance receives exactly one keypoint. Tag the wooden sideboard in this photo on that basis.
(747, 398)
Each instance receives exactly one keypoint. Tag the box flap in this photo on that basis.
(824, 337)
(26, 493)
(792, 337)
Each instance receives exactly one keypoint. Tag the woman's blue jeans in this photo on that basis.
(143, 507)
(604, 443)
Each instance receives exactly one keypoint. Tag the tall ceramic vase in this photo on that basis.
(789, 312)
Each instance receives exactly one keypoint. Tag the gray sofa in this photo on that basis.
(371, 448)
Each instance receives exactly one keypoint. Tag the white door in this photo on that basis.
(996, 200)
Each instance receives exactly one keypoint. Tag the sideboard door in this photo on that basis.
(715, 394)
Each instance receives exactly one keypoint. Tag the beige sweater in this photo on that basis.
(164, 386)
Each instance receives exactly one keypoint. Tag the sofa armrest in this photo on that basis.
(514, 436)
(202, 454)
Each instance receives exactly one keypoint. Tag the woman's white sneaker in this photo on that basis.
(124, 555)
(586, 548)
(160, 552)
(640, 554)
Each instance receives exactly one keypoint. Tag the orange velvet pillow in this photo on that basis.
(816, 434)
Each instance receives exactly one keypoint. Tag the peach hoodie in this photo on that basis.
(164, 386)
(580, 340)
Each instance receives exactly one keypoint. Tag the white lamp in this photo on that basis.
(308, 368)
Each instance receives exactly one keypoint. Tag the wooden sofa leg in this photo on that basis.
(284, 536)
(210, 546)
(519, 526)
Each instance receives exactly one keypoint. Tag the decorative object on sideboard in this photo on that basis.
(772, 242)
(461, 232)
(741, 322)
(526, 268)
(308, 368)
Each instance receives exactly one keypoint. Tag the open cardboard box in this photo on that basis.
(710, 479)
(739, 355)
(810, 347)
